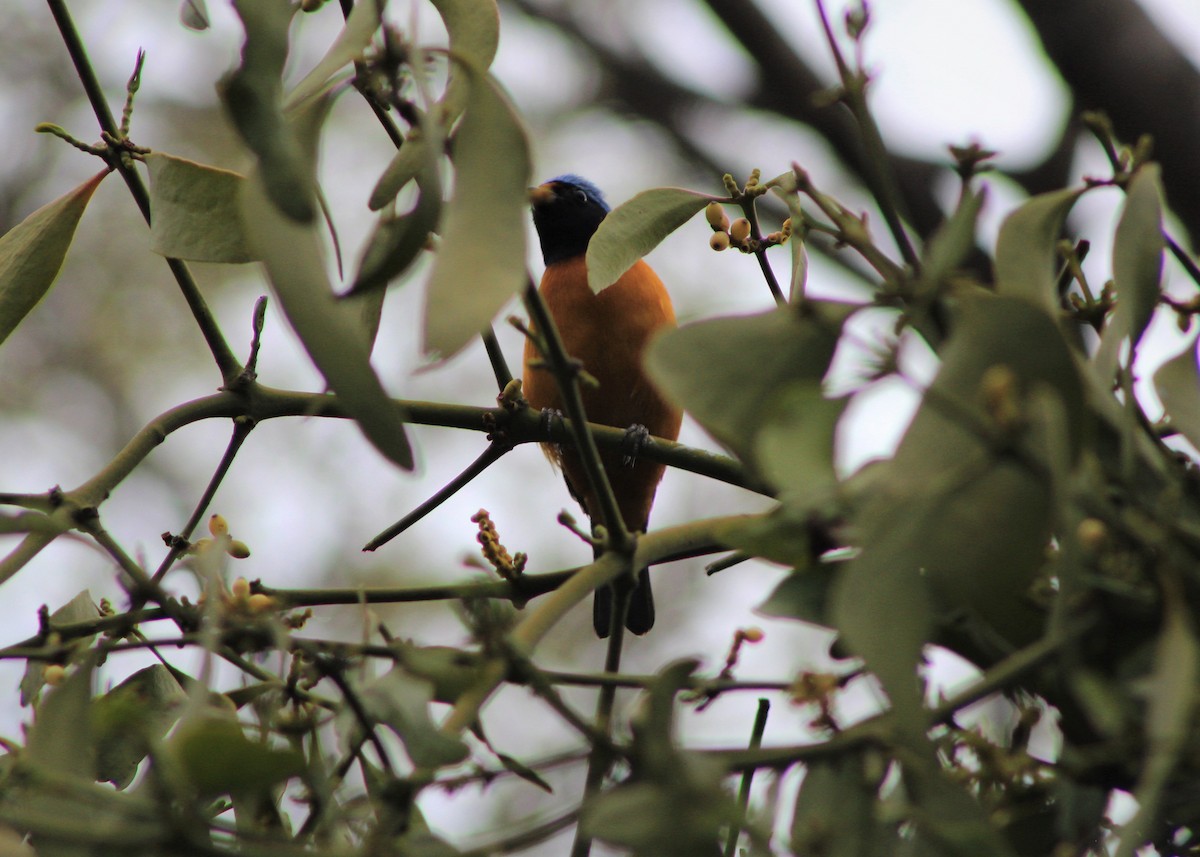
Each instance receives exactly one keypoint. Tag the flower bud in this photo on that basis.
(716, 216)
(54, 674)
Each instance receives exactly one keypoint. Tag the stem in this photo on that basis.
(600, 759)
(496, 357)
(490, 456)
(226, 362)
(761, 253)
(241, 430)
(756, 736)
(880, 179)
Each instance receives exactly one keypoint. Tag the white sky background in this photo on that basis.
(306, 494)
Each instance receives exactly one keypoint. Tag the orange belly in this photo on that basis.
(608, 333)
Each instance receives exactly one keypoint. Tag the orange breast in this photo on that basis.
(608, 333)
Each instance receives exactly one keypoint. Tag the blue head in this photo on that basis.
(566, 212)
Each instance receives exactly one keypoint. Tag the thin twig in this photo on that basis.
(490, 456)
(567, 377)
(743, 799)
(241, 430)
(226, 362)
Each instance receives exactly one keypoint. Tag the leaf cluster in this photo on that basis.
(1033, 518)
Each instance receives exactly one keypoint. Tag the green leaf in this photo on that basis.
(954, 528)
(252, 96)
(802, 595)
(346, 48)
(1025, 250)
(636, 227)
(481, 262)
(331, 330)
(195, 211)
(950, 244)
(835, 810)
(451, 671)
(216, 757)
(130, 718)
(779, 536)
(404, 166)
(32, 253)
(1137, 268)
(1177, 383)
(60, 739)
(474, 30)
(665, 820)
(81, 608)
(398, 240)
(799, 277)
(882, 607)
(793, 449)
(400, 701)
(728, 371)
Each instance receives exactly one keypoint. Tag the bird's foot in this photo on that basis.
(637, 437)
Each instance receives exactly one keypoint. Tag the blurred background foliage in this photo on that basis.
(631, 94)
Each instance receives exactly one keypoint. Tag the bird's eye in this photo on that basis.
(580, 196)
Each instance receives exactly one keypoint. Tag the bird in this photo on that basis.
(607, 333)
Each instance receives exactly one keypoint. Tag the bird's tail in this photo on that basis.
(639, 615)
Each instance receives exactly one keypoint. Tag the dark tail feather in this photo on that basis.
(639, 618)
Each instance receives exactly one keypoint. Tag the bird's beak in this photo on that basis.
(541, 195)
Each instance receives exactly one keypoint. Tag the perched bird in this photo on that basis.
(607, 333)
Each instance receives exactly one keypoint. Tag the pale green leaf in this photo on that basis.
(32, 253)
(778, 535)
(480, 264)
(726, 372)
(252, 96)
(954, 530)
(404, 166)
(793, 449)
(215, 757)
(132, 716)
(194, 211)
(452, 672)
(835, 810)
(474, 30)
(1177, 383)
(400, 701)
(81, 608)
(346, 48)
(331, 330)
(784, 186)
(802, 595)
(60, 739)
(636, 227)
(883, 610)
(398, 240)
(951, 243)
(799, 277)
(1025, 251)
(1137, 268)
